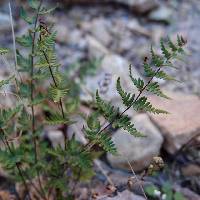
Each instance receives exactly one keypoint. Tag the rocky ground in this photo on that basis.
(120, 33)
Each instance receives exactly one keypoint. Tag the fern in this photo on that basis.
(7, 114)
(154, 88)
(56, 119)
(139, 83)
(165, 51)
(56, 93)
(142, 104)
(6, 82)
(125, 123)
(43, 85)
(127, 98)
(108, 111)
(3, 51)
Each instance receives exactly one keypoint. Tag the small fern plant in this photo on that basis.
(43, 98)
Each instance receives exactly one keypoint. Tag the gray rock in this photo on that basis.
(95, 48)
(139, 151)
(125, 195)
(183, 121)
(62, 33)
(99, 30)
(135, 27)
(56, 137)
(140, 6)
(162, 14)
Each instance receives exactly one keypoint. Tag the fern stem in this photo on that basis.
(90, 145)
(31, 84)
(60, 101)
(32, 95)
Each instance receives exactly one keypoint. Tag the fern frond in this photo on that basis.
(25, 40)
(3, 51)
(7, 114)
(106, 143)
(148, 71)
(34, 4)
(156, 59)
(125, 123)
(139, 83)
(56, 119)
(165, 52)
(143, 105)
(172, 46)
(23, 63)
(154, 88)
(95, 136)
(49, 41)
(56, 93)
(164, 76)
(52, 60)
(107, 110)
(6, 81)
(127, 98)
(25, 17)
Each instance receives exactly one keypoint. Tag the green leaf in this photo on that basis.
(167, 189)
(165, 52)
(127, 98)
(39, 98)
(44, 11)
(150, 190)
(56, 94)
(139, 83)
(7, 114)
(56, 119)
(172, 45)
(93, 123)
(156, 59)
(143, 105)
(25, 17)
(25, 40)
(164, 76)
(125, 123)
(106, 143)
(34, 4)
(179, 196)
(23, 63)
(106, 109)
(154, 88)
(6, 82)
(3, 51)
(148, 71)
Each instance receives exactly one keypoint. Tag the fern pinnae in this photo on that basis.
(127, 98)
